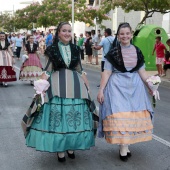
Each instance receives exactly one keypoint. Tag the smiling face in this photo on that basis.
(2, 37)
(124, 36)
(31, 39)
(64, 33)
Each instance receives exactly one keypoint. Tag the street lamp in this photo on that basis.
(72, 21)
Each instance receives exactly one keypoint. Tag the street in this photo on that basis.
(14, 155)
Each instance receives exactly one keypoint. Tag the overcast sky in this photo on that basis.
(8, 5)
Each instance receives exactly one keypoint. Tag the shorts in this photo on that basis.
(95, 53)
(102, 66)
(159, 60)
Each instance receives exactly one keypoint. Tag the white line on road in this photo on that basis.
(17, 67)
(164, 142)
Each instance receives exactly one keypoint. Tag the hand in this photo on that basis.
(100, 97)
(150, 92)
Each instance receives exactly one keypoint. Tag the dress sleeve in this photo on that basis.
(48, 66)
(108, 65)
(79, 67)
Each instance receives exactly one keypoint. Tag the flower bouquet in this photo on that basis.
(40, 87)
(153, 83)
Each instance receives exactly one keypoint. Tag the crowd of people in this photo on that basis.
(67, 119)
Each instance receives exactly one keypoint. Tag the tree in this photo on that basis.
(24, 18)
(148, 6)
(56, 11)
(7, 22)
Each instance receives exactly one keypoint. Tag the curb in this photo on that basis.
(165, 83)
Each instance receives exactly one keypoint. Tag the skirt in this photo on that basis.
(62, 124)
(31, 68)
(128, 127)
(7, 74)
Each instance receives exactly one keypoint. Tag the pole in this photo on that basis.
(97, 17)
(73, 21)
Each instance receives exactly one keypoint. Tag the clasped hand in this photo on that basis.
(100, 97)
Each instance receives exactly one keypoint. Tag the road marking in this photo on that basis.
(17, 68)
(161, 140)
(164, 142)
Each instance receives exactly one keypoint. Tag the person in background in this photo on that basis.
(13, 37)
(18, 45)
(95, 43)
(167, 58)
(88, 47)
(125, 112)
(49, 39)
(105, 44)
(7, 73)
(80, 44)
(160, 54)
(31, 68)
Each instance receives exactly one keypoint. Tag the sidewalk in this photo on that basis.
(165, 80)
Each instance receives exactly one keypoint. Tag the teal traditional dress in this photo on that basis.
(66, 120)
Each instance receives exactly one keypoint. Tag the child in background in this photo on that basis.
(160, 54)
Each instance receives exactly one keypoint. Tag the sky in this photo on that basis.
(8, 5)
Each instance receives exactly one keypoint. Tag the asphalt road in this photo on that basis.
(14, 155)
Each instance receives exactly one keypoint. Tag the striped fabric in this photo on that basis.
(65, 84)
(33, 60)
(5, 58)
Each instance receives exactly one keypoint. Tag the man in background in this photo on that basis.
(80, 44)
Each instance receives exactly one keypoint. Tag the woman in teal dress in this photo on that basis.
(66, 121)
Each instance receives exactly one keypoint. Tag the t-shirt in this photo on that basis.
(160, 50)
(18, 42)
(80, 41)
(106, 44)
(94, 39)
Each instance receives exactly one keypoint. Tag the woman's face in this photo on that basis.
(65, 33)
(31, 39)
(125, 36)
(2, 37)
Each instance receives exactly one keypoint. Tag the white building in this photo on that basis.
(166, 22)
(133, 18)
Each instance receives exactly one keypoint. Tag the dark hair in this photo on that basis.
(158, 38)
(124, 25)
(93, 31)
(108, 31)
(56, 39)
(2, 33)
(168, 41)
(88, 33)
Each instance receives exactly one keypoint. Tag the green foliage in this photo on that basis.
(149, 6)
(52, 12)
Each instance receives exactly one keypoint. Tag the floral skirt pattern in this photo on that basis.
(62, 124)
